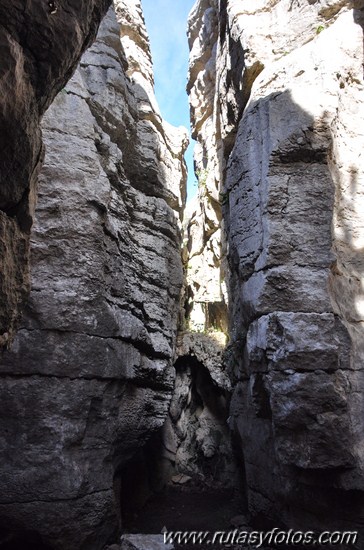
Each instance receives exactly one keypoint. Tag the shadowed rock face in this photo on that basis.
(90, 373)
(282, 145)
(41, 43)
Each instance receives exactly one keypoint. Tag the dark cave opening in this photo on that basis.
(139, 479)
(18, 538)
(186, 475)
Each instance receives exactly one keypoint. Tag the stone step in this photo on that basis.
(144, 542)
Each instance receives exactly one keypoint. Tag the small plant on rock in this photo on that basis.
(223, 198)
(202, 177)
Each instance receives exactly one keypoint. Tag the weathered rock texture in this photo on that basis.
(276, 92)
(41, 44)
(89, 376)
(203, 339)
(194, 445)
(205, 285)
(196, 438)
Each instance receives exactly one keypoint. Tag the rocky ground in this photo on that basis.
(189, 508)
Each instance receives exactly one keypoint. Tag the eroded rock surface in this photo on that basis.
(276, 101)
(41, 44)
(195, 436)
(89, 376)
(205, 285)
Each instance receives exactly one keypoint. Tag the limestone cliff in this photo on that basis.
(276, 103)
(89, 376)
(41, 44)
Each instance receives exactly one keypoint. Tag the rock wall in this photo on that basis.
(89, 376)
(41, 44)
(205, 286)
(276, 104)
(196, 437)
(205, 324)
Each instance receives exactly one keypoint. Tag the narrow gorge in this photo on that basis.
(155, 351)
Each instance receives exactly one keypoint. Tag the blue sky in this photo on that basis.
(166, 22)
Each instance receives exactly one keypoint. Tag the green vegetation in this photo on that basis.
(319, 29)
(202, 177)
(223, 198)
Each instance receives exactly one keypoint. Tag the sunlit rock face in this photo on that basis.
(276, 94)
(89, 376)
(41, 44)
(205, 295)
